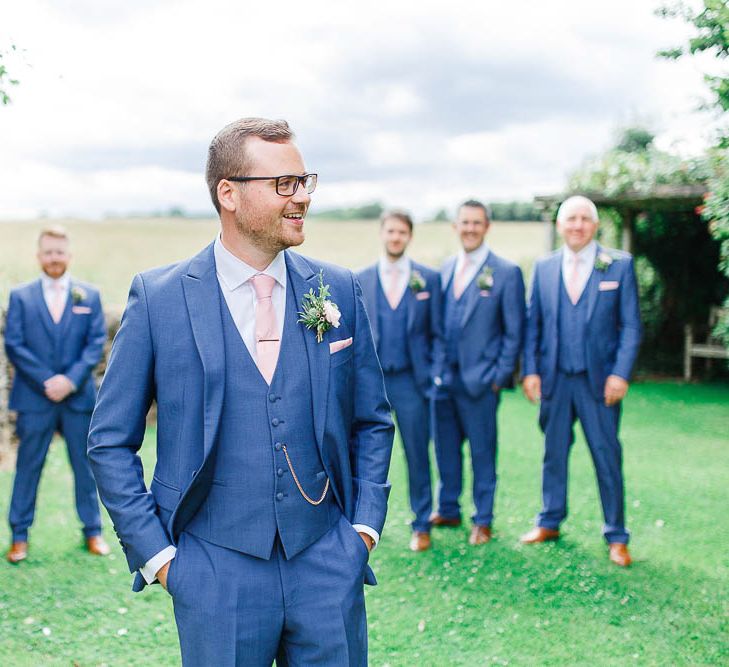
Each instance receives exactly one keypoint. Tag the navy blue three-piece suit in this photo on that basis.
(268, 566)
(474, 359)
(404, 338)
(40, 348)
(574, 348)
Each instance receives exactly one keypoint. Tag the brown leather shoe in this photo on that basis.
(419, 541)
(538, 534)
(480, 535)
(620, 555)
(441, 521)
(96, 545)
(18, 551)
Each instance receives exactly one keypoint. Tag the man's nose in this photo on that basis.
(301, 196)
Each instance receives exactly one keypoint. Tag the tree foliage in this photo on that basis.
(6, 81)
(711, 26)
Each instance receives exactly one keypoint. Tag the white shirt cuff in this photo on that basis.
(153, 565)
(361, 528)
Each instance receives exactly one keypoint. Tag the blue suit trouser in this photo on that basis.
(35, 430)
(457, 416)
(412, 412)
(572, 400)
(233, 609)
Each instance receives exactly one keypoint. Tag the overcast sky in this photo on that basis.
(415, 104)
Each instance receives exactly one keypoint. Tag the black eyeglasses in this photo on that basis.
(285, 185)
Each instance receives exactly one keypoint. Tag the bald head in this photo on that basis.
(577, 222)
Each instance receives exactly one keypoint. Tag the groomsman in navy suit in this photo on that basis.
(273, 431)
(403, 300)
(582, 338)
(54, 337)
(483, 315)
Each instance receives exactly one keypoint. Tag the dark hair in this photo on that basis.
(398, 214)
(227, 155)
(474, 203)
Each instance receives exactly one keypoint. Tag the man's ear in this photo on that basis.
(226, 195)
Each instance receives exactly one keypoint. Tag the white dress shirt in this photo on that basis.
(49, 288)
(587, 262)
(402, 266)
(234, 279)
(476, 257)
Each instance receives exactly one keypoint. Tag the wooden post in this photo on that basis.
(628, 217)
(688, 342)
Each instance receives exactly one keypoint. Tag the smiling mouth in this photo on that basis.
(294, 217)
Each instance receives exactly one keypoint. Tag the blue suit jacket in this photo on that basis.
(40, 349)
(613, 322)
(424, 319)
(491, 329)
(170, 348)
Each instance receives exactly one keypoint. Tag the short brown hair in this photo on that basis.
(475, 203)
(398, 214)
(227, 154)
(54, 231)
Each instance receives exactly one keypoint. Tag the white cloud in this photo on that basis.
(118, 100)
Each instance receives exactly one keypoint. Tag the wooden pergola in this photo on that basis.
(629, 205)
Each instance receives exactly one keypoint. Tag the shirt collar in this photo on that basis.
(402, 264)
(587, 254)
(64, 281)
(476, 257)
(235, 272)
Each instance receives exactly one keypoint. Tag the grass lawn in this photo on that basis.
(556, 604)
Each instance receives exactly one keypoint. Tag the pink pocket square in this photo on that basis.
(80, 310)
(485, 292)
(422, 296)
(339, 345)
(606, 285)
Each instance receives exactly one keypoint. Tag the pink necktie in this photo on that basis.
(57, 304)
(267, 338)
(459, 282)
(392, 294)
(573, 284)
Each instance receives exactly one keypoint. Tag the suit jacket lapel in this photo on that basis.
(202, 295)
(446, 273)
(369, 294)
(67, 316)
(592, 289)
(45, 315)
(552, 282)
(472, 292)
(303, 278)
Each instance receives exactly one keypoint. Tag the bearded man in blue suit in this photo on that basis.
(403, 302)
(483, 318)
(273, 439)
(582, 338)
(54, 337)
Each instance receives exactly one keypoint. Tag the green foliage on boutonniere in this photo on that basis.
(319, 313)
(417, 282)
(485, 279)
(78, 294)
(603, 261)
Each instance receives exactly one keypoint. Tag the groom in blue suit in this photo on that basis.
(273, 430)
(582, 338)
(483, 318)
(54, 337)
(403, 301)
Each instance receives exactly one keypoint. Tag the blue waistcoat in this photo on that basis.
(254, 496)
(572, 327)
(453, 316)
(392, 346)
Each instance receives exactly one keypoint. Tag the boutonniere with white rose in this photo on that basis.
(78, 294)
(485, 279)
(603, 261)
(417, 282)
(319, 312)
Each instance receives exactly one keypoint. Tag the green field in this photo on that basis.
(110, 252)
(499, 604)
